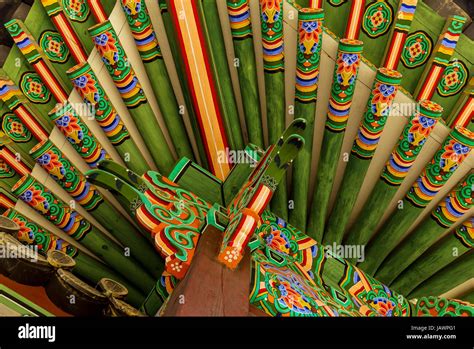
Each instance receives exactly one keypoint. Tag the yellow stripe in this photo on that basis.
(78, 52)
(202, 87)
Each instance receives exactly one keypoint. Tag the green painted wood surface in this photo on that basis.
(78, 134)
(12, 99)
(469, 297)
(173, 43)
(275, 97)
(139, 22)
(466, 95)
(446, 279)
(373, 122)
(451, 208)
(56, 211)
(17, 68)
(425, 21)
(8, 176)
(242, 38)
(37, 22)
(92, 270)
(308, 57)
(385, 240)
(87, 84)
(274, 76)
(436, 173)
(119, 69)
(302, 169)
(239, 174)
(342, 91)
(408, 250)
(80, 18)
(58, 166)
(19, 138)
(199, 181)
(411, 142)
(439, 256)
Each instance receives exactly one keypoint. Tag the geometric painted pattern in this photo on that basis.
(14, 128)
(417, 49)
(33, 88)
(454, 79)
(377, 19)
(76, 10)
(54, 46)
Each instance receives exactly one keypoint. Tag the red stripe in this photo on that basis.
(435, 84)
(31, 120)
(19, 166)
(210, 75)
(97, 10)
(74, 36)
(189, 80)
(174, 16)
(4, 198)
(460, 114)
(58, 96)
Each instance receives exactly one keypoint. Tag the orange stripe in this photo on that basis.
(259, 202)
(6, 202)
(50, 80)
(97, 10)
(17, 164)
(352, 31)
(466, 114)
(430, 83)
(393, 54)
(71, 38)
(201, 84)
(31, 123)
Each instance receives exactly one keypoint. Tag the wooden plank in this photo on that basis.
(209, 288)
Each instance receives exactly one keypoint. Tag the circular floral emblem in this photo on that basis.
(34, 89)
(417, 49)
(14, 129)
(454, 79)
(377, 19)
(76, 10)
(54, 47)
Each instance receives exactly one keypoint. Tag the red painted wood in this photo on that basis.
(35, 294)
(209, 288)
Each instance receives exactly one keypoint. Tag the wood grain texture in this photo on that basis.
(209, 288)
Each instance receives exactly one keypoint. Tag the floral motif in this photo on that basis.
(33, 88)
(5, 170)
(35, 198)
(454, 78)
(447, 159)
(378, 107)
(309, 48)
(105, 44)
(69, 126)
(54, 46)
(76, 10)
(343, 86)
(14, 128)
(378, 17)
(51, 163)
(271, 12)
(417, 50)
